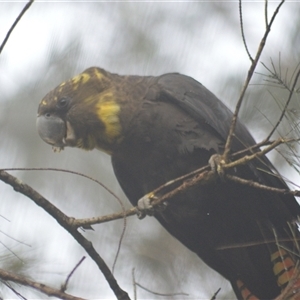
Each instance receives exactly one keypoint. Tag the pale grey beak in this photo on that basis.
(51, 129)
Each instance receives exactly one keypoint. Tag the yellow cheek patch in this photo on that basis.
(108, 112)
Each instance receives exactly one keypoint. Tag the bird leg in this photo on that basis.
(145, 206)
(216, 163)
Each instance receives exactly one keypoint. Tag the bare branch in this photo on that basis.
(26, 7)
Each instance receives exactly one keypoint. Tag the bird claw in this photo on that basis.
(216, 162)
(57, 149)
(145, 206)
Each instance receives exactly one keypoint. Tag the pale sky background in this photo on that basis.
(200, 39)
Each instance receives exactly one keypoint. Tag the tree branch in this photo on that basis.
(200, 176)
(67, 224)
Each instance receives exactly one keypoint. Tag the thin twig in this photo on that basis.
(13, 290)
(160, 294)
(119, 244)
(12, 252)
(258, 243)
(26, 7)
(242, 30)
(250, 74)
(134, 284)
(14, 239)
(247, 158)
(65, 285)
(260, 186)
(214, 297)
(275, 77)
(7, 276)
(70, 172)
(266, 13)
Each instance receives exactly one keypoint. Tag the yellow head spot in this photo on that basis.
(61, 86)
(108, 112)
(98, 74)
(44, 102)
(79, 80)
